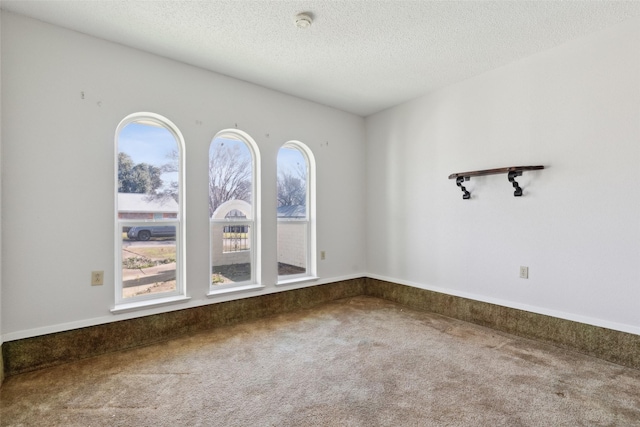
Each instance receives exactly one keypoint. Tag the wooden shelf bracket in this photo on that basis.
(512, 172)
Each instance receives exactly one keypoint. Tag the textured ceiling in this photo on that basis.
(359, 56)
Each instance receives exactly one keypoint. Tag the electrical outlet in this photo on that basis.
(524, 272)
(323, 255)
(97, 278)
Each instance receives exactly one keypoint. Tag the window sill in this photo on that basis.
(225, 291)
(140, 305)
(297, 280)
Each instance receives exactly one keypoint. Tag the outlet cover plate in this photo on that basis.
(97, 278)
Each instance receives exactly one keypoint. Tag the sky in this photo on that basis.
(149, 144)
(289, 158)
(146, 143)
(233, 143)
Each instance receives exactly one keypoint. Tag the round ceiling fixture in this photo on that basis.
(303, 20)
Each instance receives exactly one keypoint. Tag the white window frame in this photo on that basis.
(179, 294)
(309, 221)
(253, 222)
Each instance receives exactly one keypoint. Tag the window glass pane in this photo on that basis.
(148, 168)
(147, 172)
(148, 260)
(230, 253)
(293, 233)
(292, 248)
(292, 183)
(230, 174)
(231, 198)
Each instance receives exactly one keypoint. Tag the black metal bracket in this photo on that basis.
(459, 181)
(511, 176)
(511, 171)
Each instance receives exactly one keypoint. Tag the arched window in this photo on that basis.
(296, 212)
(233, 207)
(149, 203)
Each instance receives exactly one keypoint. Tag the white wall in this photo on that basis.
(574, 109)
(58, 168)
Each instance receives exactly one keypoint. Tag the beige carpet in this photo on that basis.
(355, 362)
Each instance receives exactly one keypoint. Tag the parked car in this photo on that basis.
(147, 232)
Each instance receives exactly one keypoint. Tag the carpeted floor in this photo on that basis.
(355, 362)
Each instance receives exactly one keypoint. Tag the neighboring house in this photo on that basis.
(295, 211)
(145, 206)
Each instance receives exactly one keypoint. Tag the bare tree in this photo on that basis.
(229, 176)
(171, 190)
(292, 189)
